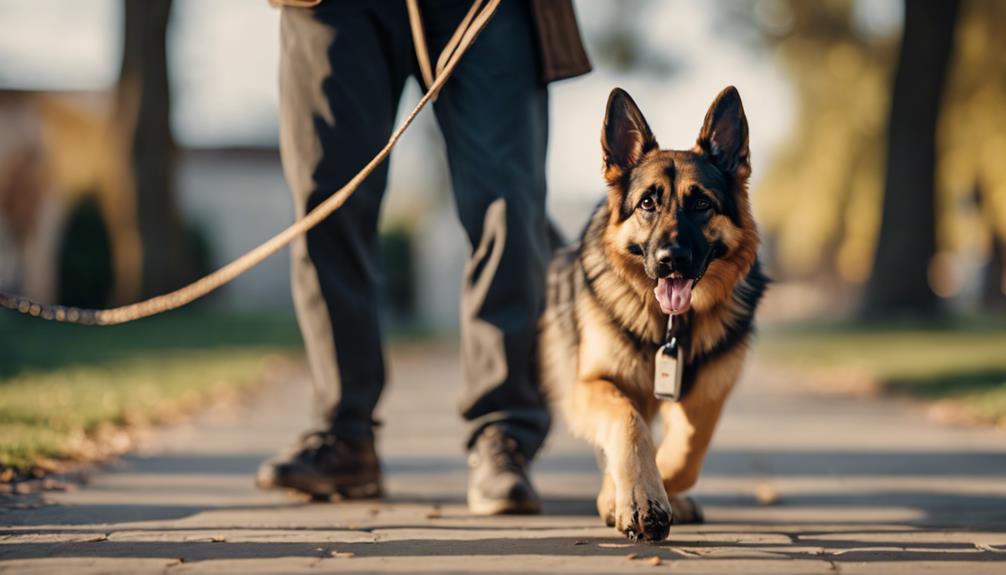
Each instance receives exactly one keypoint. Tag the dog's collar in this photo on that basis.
(678, 330)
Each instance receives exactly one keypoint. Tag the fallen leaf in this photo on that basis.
(766, 493)
(26, 487)
(655, 561)
(434, 513)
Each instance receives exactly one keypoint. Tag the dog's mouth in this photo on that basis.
(674, 294)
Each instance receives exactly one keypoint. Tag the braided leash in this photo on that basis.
(474, 22)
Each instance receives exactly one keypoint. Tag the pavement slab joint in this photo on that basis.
(893, 493)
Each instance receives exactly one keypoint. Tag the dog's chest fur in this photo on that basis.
(598, 325)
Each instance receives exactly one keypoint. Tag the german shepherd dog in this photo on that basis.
(674, 237)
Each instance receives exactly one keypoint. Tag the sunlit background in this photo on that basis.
(816, 81)
(79, 224)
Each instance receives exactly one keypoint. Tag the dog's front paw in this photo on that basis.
(644, 518)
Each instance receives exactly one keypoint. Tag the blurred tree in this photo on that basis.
(993, 295)
(819, 203)
(623, 43)
(901, 280)
(816, 202)
(972, 144)
(993, 287)
(144, 105)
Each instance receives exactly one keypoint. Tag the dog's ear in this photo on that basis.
(625, 136)
(724, 135)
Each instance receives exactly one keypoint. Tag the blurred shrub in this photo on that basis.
(85, 258)
(200, 248)
(86, 276)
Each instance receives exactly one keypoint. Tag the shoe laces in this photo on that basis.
(503, 451)
(314, 444)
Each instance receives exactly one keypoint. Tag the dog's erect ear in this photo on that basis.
(724, 135)
(625, 136)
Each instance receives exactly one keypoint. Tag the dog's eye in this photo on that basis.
(648, 203)
(702, 205)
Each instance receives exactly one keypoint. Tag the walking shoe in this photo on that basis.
(497, 478)
(321, 465)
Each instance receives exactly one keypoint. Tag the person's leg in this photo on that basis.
(343, 67)
(494, 116)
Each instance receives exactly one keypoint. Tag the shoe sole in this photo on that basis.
(322, 490)
(479, 505)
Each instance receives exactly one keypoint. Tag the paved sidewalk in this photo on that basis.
(860, 487)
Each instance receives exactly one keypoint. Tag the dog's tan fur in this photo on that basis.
(603, 325)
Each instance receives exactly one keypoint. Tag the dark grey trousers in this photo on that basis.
(344, 65)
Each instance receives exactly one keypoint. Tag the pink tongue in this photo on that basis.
(674, 295)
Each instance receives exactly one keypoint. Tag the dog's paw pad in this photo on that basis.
(657, 522)
(653, 525)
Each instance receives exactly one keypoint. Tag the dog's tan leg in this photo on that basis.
(688, 430)
(606, 499)
(607, 418)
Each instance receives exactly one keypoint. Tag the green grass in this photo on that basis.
(30, 344)
(963, 363)
(62, 386)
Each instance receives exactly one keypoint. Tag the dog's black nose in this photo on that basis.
(677, 257)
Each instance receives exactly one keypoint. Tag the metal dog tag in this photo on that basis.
(668, 366)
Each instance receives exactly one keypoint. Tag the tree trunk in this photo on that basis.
(144, 105)
(993, 289)
(994, 280)
(899, 284)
